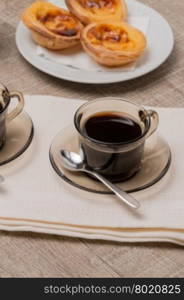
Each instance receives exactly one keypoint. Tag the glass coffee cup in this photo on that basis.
(5, 116)
(112, 134)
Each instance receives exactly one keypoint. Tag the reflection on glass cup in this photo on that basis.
(112, 133)
(5, 116)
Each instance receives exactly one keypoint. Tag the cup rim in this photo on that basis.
(108, 143)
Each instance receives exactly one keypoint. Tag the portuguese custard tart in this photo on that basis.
(52, 27)
(113, 44)
(88, 11)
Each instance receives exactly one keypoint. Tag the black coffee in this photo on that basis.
(1, 107)
(113, 128)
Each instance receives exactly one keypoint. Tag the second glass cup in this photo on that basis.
(112, 133)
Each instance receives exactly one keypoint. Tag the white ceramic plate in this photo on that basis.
(160, 44)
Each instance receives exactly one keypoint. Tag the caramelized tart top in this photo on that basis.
(113, 37)
(94, 6)
(52, 18)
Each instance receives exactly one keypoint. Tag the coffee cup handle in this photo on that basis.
(18, 109)
(154, 122)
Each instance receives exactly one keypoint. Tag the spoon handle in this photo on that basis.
(125, 197)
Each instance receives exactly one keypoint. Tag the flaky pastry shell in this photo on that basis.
(88, 11)
(52, 27)
(113, 44)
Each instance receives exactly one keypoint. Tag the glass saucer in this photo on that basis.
(155, 163)
(18, 138)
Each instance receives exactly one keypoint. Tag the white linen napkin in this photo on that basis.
(34, 198)
(76, 57)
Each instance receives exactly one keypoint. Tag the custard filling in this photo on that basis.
(96, 6)
(111, 37)
(61, 24)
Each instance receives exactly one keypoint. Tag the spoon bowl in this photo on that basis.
(71, 160)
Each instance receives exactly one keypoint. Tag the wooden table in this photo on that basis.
(38, 255)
